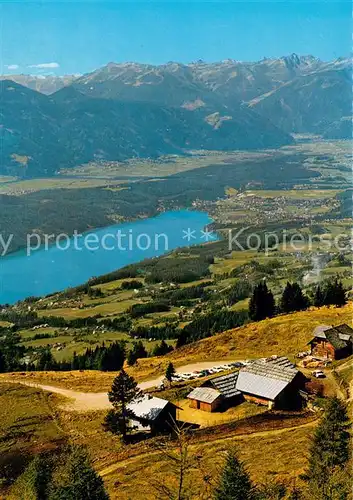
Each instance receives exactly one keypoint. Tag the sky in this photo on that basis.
(74, 37)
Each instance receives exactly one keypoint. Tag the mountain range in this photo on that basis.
(130, 110)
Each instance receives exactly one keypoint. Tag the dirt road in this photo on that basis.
(91, 401)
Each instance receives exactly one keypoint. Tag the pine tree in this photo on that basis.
(162, 349)
(336, 294)
(46, 361)
(330, 293)
(131, 358)
(138, 351)
(3, 364)
(170, 372)
(234, 483)
(82, 481)
(34, 484)
(318, 297)
(262, 303)
(124, 390)
(330, 447)
(293, 298)
(271, 491)
(74, 362)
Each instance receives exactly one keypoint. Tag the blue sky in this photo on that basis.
(79, 36)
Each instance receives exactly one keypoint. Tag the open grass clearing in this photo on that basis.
(103, 309)
(296, 194)
(29, 426)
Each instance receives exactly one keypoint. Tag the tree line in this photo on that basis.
(262, 303)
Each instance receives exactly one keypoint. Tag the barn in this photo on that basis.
(155, 415)
(205, 398)
(332, 342)
(274, 382)
(227, 386)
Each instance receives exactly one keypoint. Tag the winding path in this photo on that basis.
(91, 401)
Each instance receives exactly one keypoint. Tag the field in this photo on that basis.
(266, 455)
(20, 187)
(267, 448)
(28, 426)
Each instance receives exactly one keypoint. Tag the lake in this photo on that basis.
(72, 261)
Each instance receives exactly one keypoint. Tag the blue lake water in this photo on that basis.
(75, 260)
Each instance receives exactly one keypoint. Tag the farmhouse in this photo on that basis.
(273, 381)
(332, 342)
(205, 398)
(152, 414)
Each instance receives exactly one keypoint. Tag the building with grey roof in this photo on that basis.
(273, 381)
(152, 414)
(332, 342)
(205, 398)
(226, 385)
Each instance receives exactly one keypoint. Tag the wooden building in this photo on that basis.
(205, 398)
(274, 382)
(332, 342)
(153, 415)
(227, 386)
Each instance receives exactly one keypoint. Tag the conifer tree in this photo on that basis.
(46, 361)
(34, 482)
(131, 358)
(330, 293)
(170, 372)
(318, 297)
(74, 362)
(123, 392)
(262, 303)
(3, 365)
(293, 299)
(330, 447)
(335, 294)
(82, 482)
(234, 483)
(162, 349)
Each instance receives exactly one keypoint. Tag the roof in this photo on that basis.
(266, 377)
(319, 331)
(339, 336)
(204, 394)
(148, 408)
(226, 385)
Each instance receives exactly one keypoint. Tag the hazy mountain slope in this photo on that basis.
(310, 103)
(29, 131)
(341, 129)
(43, 134)
(44, 84)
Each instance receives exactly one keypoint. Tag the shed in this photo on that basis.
(332, 342)
(205, 398)
(273, 381)
(153, 414)
(227, 386)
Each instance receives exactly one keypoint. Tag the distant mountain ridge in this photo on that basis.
(129, 110)
(41, 134)
(44, 84)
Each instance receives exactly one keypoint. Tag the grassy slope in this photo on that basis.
(286, 334)
(28, 425)
(283, 335)
(269, 449)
